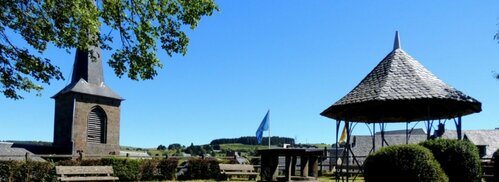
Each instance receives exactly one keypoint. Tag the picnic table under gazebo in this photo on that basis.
(309, 159)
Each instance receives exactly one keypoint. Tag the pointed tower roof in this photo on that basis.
(400, 89)
(86, 69)
(88, 77)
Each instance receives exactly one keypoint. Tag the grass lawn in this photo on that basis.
(326, 178)
(321, 179)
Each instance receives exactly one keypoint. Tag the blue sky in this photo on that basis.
(295, 58)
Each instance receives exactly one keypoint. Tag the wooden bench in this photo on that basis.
(230, 170)
(85, 173)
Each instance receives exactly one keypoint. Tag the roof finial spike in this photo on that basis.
(396, 44)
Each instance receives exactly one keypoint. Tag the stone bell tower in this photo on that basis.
(87, 111)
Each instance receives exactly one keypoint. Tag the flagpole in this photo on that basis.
(269, 130)
(269, 135)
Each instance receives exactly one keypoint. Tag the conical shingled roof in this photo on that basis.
(87, 77)
(400, 89)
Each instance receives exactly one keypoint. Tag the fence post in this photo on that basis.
(26, 156)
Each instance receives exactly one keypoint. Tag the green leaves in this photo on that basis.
(69, 24)
(18, 68)
(142, 23)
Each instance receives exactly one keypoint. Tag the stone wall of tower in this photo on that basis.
(71, 120)
(63, 123)
(84, 104)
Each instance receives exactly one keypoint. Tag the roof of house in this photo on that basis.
(10, 152)
(401, 89)
(135, 154)
(415, 131)
(489, 138)
(87, 77)
(362, 145)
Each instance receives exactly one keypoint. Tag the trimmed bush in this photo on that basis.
(213, 169)
(26, 171)
(91, 162)
(125, 169)
(8, 170)
(168, 168)
(201, 169)
(458, 158)
(37, 171)
(132, 169)
(149, 170)
(409, 163)
(86, 162)
(68, 163)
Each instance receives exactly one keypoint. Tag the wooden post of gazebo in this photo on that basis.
(458, 128)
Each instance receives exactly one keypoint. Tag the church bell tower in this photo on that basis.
(87, 111)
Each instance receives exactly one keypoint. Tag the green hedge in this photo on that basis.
(133, 169)
(458, 158)
(408, 163)
(201, 169)
(125, 169)
(168, 168)
(149, 170)
(13, 171)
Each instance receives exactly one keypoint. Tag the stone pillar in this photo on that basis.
(293, 165)
(287, 169)
(304, 166)
(313, 169)
(269, 167)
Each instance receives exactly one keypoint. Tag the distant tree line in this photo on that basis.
(195, 150)
(198, 150)
(175, 146)
(251, 140)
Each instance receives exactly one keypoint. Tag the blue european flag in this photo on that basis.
(264, 126)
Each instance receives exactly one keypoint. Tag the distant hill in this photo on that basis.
(42, 143)
(251, 140)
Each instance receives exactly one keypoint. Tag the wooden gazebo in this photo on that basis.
(400, 90)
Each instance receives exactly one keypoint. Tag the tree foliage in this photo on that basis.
(198, 150)
(69, 24)
(161, 147)
(175, 146)
(200, 169)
